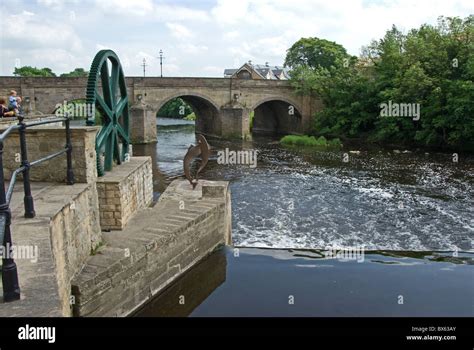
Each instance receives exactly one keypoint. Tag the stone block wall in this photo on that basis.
(75, 233)
(65, 231)
(214, 93)
(124, 191)
(143, 128)
(42, 141)
(235, 122)
(158, 246)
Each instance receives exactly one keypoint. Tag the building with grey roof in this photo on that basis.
(258, 71)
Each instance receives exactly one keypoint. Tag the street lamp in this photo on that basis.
(144, 67)
(144, 75)
(11, 287)
(161, 63)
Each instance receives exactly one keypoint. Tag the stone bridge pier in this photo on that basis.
(223, 106)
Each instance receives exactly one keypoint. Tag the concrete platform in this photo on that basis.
(37, 277)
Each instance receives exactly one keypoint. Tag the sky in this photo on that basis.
(198, 38)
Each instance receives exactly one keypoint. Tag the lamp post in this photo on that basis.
(11, 287)
(161, 63)
(144, 67)
(144, 75)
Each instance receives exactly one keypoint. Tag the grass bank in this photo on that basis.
(310, 141)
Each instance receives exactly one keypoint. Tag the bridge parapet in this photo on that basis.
(210, 97)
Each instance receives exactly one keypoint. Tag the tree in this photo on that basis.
(78, 72)
(175, 108)
(28, 71)
(316, 53)
(431, 67)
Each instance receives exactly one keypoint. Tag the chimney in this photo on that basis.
(267, 64)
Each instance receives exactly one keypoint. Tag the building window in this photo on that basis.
(244, 75)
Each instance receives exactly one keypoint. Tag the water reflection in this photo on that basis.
(195, 286)
(253, 282)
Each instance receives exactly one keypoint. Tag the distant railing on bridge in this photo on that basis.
(37, 116)
(11, 288)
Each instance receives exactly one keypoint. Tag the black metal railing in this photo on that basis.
(11, 288)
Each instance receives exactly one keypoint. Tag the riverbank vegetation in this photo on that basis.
(190, 117)
(310, 141)
(251, 120)
(176, 108)
(430, 68)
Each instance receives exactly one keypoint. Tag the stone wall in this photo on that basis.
(6, 122)
(208, 95)
(143, 126)
(75, 233)
(42, 141)
(65, 231)
(157, 246)
(124, 191)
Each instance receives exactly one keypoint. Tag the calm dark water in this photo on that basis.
(270, 282)
(413, 214)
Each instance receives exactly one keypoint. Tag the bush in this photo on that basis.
(309, 141)
(191, 116)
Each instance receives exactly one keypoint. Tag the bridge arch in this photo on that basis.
(208, 120)
(277, 115)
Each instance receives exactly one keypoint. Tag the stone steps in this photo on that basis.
(158, 244)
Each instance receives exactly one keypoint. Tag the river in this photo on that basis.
(410, 213)
(313, 199)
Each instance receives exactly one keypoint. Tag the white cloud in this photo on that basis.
(165, 12)
(352, 23)
(229, 13)
(214, 70)
(192, 49)
(179, 31)
(231, 35)
(135, 7)
(150, 10)
(28, 30)
(197, 38)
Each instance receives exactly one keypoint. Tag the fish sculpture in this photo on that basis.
(201, 149)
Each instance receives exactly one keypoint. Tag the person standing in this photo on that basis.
(12, 101)
(4, 111)
(19, 109)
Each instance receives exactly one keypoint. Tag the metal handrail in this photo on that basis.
(11, 288)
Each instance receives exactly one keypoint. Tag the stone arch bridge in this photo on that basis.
(222, 105)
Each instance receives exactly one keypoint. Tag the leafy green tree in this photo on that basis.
(78, 72)
(28, 71)
(316, 53)
(175, 108)
(432, 66)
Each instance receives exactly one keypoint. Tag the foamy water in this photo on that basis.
(380, 201)
(311, 199)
